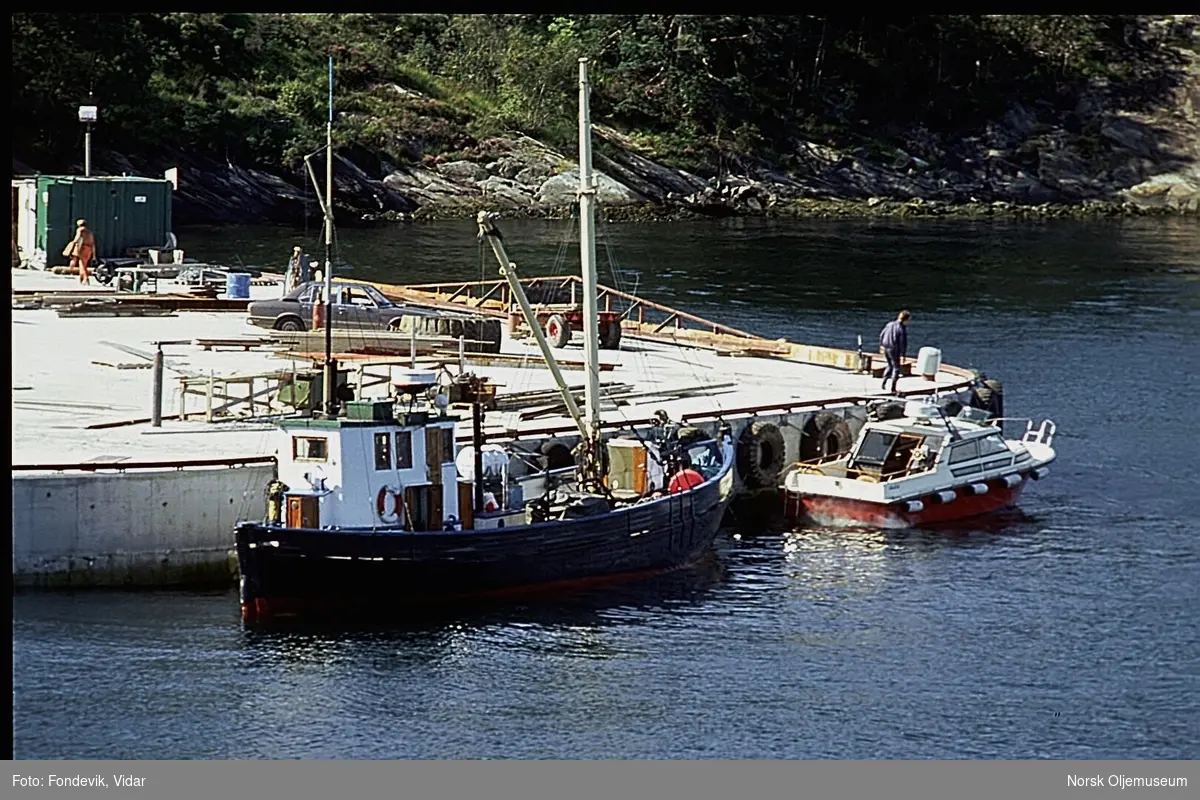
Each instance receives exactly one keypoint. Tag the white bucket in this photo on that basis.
(929, 361)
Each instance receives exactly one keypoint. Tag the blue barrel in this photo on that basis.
(237, 286)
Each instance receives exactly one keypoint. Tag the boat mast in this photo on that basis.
(489, 231)
(592, 463)
(330, 367)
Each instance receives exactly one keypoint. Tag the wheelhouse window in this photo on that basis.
(705, 458)
(404, 450)
(383, 451)
(310, 448)
(447, 445)
(964, 451)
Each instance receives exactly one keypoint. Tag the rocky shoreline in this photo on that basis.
(1097, 159)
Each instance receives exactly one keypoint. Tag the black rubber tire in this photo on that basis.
(997, 402)
(889, 411)
(761, 453)
(950, 406)
(688, 434)
(610, 335)
(989, 397)
(558, 332)
(289, 324)
(556, 454)
(825, 434)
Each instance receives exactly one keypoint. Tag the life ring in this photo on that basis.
(381, 504)
(760, 455)
(825, 434)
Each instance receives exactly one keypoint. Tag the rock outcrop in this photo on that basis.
(1098, 156)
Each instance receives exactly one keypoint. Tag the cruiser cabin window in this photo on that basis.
(964, 451)
(310, 448)
(993, 445)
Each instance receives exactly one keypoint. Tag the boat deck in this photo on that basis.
(73, 374)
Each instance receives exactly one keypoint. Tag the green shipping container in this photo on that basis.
(121, 212)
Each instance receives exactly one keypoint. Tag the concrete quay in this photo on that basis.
(101, 498)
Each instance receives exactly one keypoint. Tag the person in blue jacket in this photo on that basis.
(893, 344)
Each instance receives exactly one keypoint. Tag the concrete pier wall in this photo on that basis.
(153, 528)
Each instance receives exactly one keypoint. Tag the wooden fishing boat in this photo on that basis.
(374, 509)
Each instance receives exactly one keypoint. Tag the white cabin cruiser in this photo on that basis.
(918, 468)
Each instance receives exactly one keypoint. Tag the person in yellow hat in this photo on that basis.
(82, 250)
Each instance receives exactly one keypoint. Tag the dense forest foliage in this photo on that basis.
(252, 87)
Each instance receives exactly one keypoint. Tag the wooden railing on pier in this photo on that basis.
(641, 318)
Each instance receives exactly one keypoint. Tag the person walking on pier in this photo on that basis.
(299, 271)
(82, 250)
(893, 344)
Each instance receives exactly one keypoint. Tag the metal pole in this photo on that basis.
(477, 443)
(330, 400)
(87, 152)
(208, 414)
(587, 241)
(412, 346)
(462, 356)
(156, 392)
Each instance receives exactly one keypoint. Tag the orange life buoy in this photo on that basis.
(381, 504)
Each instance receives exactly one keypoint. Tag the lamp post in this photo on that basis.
(87, 115)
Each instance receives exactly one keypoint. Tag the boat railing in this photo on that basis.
(813, 466)
(494, 297)
(827, 466)
(1044, 434)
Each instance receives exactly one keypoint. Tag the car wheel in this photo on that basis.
(289, 324)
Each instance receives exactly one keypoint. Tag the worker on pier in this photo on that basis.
(299, 270)
(82, 250)
(893, 345)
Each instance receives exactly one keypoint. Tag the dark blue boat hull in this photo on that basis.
(297, 570)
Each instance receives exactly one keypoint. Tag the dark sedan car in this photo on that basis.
(355, 307)
(362, 307)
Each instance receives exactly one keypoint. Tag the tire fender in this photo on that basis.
(760, 455)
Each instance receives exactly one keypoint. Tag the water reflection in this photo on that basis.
(832, 562)
(551, 623)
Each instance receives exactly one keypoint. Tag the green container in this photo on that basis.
(122, 213)
(371, 410)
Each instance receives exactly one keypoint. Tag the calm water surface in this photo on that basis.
(1069, 630)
